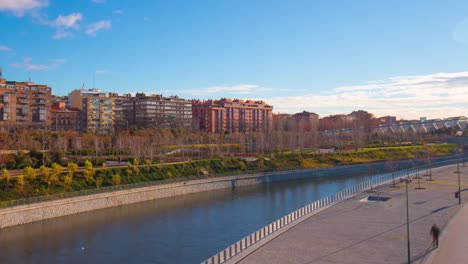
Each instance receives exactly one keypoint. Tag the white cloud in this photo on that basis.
(60, 34)
(69, 21)
(235, 89)
(5, 48)
(433, 95)
(20, 7)
(28, 65)
(92, 29)
(101, 72)
(63, 24)
(98, 1)
(119, 12)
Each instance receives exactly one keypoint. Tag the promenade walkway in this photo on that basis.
(357, 231)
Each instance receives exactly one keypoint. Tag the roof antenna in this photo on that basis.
(29, 80)
(94, 75)
(1, 73)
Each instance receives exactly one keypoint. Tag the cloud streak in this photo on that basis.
(92, 29)
(100, 72)
(433, 95)
(29, 66)
(5, 48)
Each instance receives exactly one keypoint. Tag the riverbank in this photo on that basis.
(38, 211)
(56, 181)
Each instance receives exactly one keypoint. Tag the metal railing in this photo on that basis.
(374, 181)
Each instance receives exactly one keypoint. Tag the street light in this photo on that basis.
(459, 191)
(407, 181)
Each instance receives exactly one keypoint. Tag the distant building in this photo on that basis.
(387, 120)
(306, 121)
(64, 118)
(227, 115)
(152, 111)
(300, 122)
(97, 110)
(24, 105)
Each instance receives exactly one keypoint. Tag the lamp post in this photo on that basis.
(459, 189)
(407, 181)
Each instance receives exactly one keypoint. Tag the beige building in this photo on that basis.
(97, 110)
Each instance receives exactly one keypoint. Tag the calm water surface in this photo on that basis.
(185, 229)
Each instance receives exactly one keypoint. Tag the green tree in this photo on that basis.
(56, 172)
(89, 171)
(45, 171)
(242, 165)
(99, 181)
(135, 168)
(68, 180)
(20, 182)
(6, 175)
(116, 179)
(30, 173)
(72, 168)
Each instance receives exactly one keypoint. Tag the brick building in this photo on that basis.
(24, 105)
(64, 118)
(227, 115)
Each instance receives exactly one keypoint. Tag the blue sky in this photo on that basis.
(404, 58)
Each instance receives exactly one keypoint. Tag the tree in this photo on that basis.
(68, 180)
(116, 179)
(89, 171)
(45, 171)
(6, 175)
(99, 181)
(20, 182)
(135, 168)
(56, 172)
(30, 173)
(72, 168)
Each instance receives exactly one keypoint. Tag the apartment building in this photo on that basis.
(227, 115)
(157, 111)
(24, 105)
(97, 110)
(64, 118)
(306, 121)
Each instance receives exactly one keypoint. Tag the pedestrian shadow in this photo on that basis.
(423, 255)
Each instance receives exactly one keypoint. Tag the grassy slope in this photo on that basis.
(219, 167)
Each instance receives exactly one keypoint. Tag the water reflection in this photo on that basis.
(184, 229)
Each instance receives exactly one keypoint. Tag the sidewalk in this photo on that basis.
(453, 244)
(355, 231)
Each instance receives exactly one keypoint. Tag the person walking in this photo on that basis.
(435, 231)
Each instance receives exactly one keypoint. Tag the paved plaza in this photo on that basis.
(357, 231)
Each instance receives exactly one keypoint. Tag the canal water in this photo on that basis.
(184, 229)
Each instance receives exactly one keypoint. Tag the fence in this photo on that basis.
(375, 181)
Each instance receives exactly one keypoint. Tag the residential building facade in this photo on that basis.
(64, 118)
(97, 110)
(24, 105)
(232, 116)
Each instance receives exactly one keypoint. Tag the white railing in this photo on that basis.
(260, 234)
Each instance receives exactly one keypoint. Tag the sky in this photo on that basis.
(402, 58)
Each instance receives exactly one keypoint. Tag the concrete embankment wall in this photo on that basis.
(45, 210)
